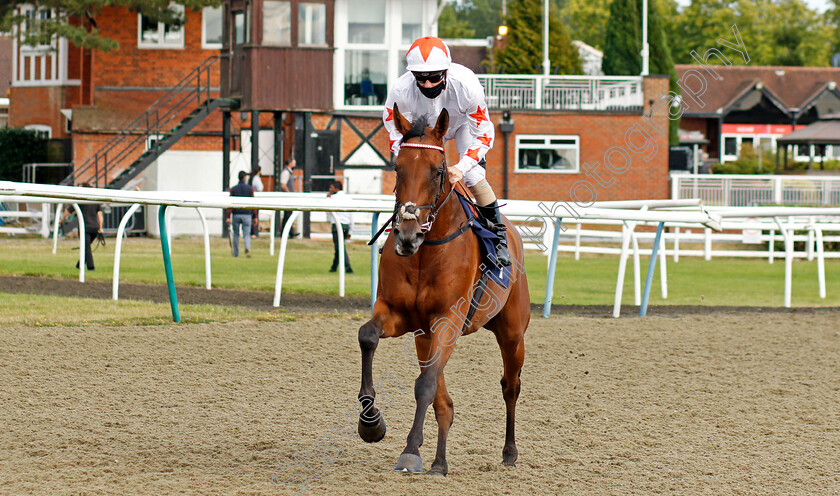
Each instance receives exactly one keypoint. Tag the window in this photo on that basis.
(211, 27)
(153, 34)
(802, 153)
(37, 36)
(241, 31)
(366, 21)
(365, 77)
(312, 24)
(41, 130)
(730, 147)
(277, 23)
(412, 16)
(547, 154)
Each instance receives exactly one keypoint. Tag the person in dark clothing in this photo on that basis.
(236, 217)
(346, 220)
(93, 220)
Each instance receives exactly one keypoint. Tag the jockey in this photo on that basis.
(431, 84)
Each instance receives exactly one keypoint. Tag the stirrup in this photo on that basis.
(502, 252)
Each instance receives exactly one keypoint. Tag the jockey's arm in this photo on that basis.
(480, 129)
(394, 136)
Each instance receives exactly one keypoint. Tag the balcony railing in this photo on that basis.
(572, 93)
(736, 190)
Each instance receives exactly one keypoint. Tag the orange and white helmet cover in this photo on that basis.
(428, 54)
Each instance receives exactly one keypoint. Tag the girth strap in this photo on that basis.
(476, 299)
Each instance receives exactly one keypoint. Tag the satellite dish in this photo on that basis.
(835, 60)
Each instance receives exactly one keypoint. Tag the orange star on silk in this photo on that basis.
(426, 44)
(390, 114)
(479, 115)
(485, 139)
(473, 154)
(391, 144)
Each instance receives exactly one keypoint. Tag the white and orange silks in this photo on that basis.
(469, 122)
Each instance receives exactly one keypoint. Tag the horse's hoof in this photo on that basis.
(372, 433)
(509, 463)
(437, 471)
(409, 463)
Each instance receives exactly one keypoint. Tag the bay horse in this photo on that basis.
(428, 276)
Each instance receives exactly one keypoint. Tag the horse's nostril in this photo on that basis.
(420, 237)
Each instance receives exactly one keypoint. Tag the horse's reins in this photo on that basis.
(408, 210)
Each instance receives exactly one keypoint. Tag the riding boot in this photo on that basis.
(493, 219)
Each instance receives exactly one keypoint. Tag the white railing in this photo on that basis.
(563, 92)
(744, 190)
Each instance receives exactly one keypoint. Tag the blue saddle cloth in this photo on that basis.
(487, 241)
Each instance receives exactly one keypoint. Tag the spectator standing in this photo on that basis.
(287, 184)
(257, 184)
(94, 219)
(346, 219)
(237, 217)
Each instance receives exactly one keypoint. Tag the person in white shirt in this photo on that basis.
(287, 184)
(433, 83)
(257, 184)
(346, 219)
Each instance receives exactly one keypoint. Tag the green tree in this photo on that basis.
(660, 61)
(76, 19)
(483, 17)
(451, 26)
(523, 52)
(587, 20)
(19, 146)
(775, 32)
(622, 43)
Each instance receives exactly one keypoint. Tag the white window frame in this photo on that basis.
(302, 25)
(25, 11)
(40, 128)
(393, 47)
(546, 146)
(739, 138)
(204, 44)
(161, 45)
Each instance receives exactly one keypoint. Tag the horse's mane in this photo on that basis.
(418, 128)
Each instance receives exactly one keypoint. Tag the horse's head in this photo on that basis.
(421, 178)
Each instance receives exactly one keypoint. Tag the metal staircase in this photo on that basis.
(152, 132)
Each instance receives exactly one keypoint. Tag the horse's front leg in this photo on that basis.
(383, 324)
(443, 336)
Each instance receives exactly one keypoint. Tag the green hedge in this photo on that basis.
(19, 146)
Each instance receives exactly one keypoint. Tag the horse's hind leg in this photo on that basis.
(444, 413)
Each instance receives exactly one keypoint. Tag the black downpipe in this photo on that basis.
(225, 162)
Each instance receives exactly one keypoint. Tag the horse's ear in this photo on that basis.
(442, 124)
(402, 124)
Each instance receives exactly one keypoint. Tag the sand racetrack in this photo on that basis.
(743, 403)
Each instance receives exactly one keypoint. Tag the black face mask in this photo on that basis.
(434, 91)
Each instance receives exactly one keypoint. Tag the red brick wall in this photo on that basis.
(646, 176)
(41, 105)
(133, 66)
(85, 145)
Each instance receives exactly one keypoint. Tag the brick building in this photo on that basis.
(574, 138)
(757, 105)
